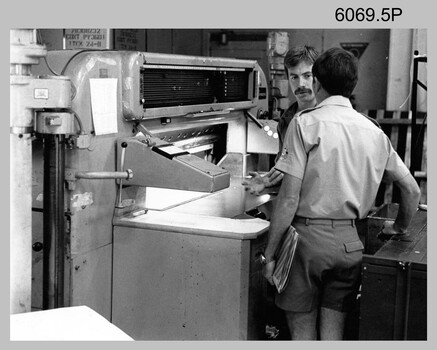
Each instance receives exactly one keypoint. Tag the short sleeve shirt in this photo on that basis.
(283, 123)
(341, 157)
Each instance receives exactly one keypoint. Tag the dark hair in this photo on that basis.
(337, 71)
(298, 54)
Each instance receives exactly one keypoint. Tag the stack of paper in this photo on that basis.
(285, 256)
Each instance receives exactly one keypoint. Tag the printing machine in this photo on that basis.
(155, 232)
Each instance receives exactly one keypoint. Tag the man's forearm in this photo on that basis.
(279, 224)
(285, 208)
(410, 196)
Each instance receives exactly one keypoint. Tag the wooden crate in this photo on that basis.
(393, 302)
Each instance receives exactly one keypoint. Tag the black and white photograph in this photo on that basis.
(245, 173)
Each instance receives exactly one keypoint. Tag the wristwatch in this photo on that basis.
(264, 260)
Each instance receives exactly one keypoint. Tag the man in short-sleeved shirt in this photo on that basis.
(333, 161)
(310, 153)
(298, 63)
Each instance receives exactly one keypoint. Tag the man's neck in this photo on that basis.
(304, 105)
(322, 95)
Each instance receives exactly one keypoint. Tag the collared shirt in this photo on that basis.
(341, 157)
(283, 123)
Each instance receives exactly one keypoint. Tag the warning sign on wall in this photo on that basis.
(356, 48)
(88, 38)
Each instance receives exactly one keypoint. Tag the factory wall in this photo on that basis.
(371, 91)
(385, 55)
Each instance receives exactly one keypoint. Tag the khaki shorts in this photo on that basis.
(327, 267)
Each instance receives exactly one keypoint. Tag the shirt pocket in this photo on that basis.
(353, 246)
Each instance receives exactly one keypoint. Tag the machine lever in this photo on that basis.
(141, 128)
(99, 175)
(251, 117)
(123, 151)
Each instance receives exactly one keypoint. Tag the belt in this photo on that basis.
(330, 222)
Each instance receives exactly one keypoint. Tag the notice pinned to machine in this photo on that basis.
(104, 105)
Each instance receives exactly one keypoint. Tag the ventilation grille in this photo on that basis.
(165, 87)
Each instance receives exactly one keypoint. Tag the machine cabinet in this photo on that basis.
(181, 286)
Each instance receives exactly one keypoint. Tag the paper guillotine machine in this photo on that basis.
(158, 234)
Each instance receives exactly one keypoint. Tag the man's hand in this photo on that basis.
(273, 177)
(255, 185)
(268, 270)
(389, 228)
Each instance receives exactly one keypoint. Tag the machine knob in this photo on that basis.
(37, 246)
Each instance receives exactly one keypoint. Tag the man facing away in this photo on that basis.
(333, 161)
(298, 64)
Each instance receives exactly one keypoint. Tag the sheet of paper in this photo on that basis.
(104, 105)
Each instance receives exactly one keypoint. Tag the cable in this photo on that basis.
(71, 59)
(77, 54)
(50, 68)
(78, 121)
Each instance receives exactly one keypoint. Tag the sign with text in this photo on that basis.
(129, 39)
(88, 38)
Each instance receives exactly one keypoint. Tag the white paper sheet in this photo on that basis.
(64, 324)
(104, 105)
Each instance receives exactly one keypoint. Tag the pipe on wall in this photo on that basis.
(24, 52)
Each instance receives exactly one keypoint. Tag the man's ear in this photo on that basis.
(316, 85)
